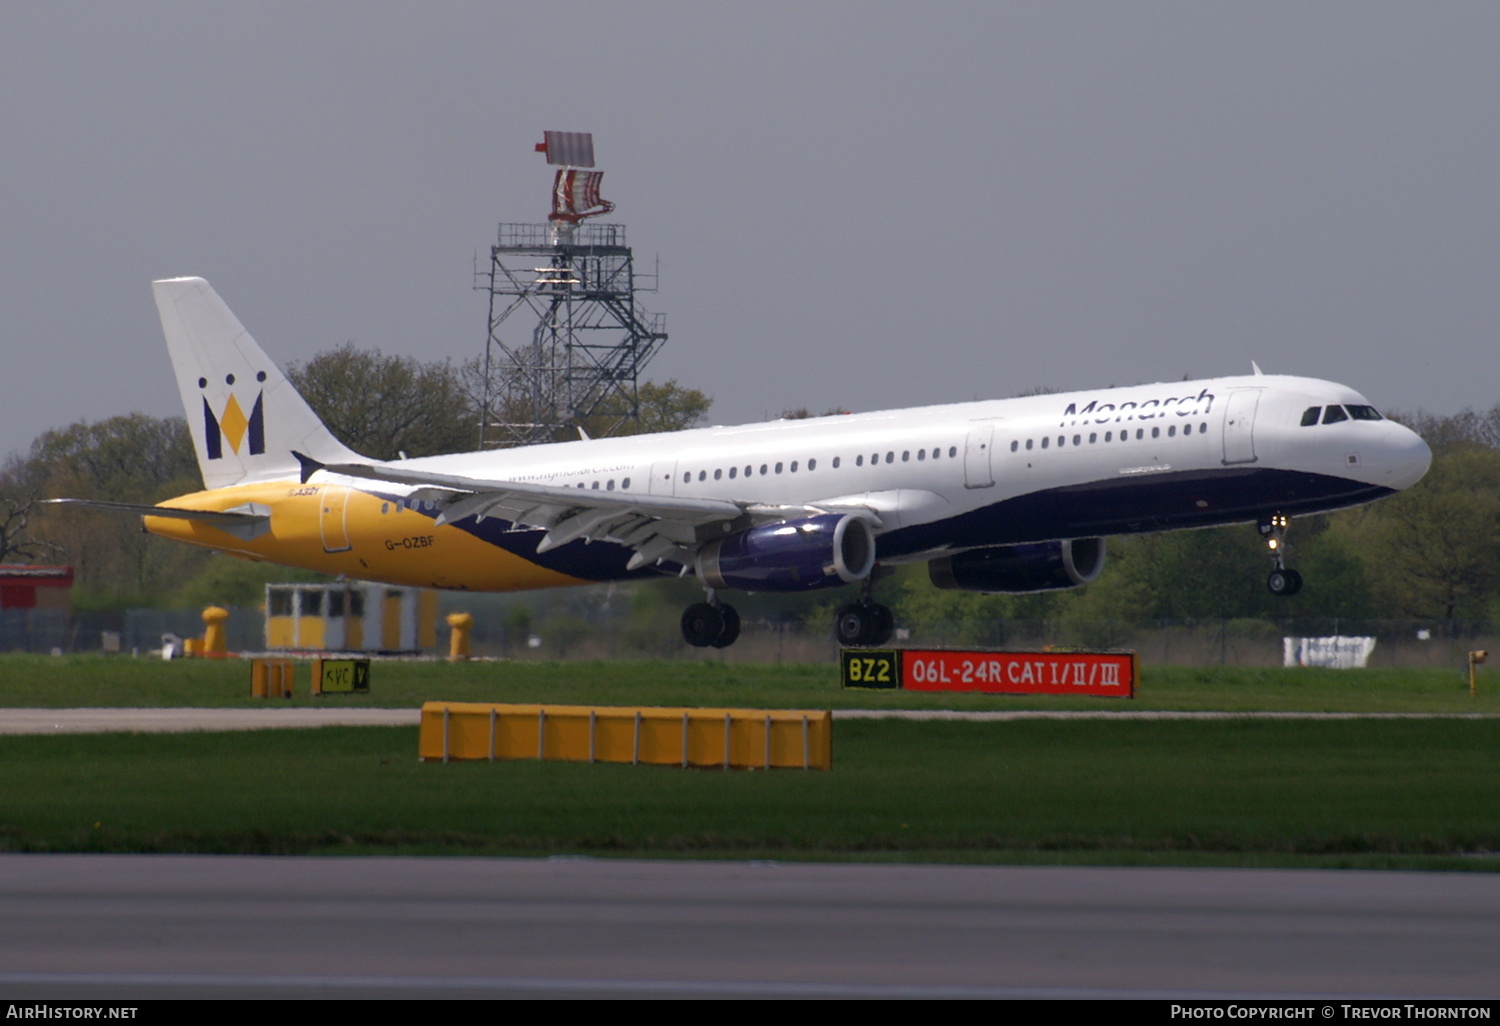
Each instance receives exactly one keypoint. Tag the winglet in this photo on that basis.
(310, 466)
(1256, 368)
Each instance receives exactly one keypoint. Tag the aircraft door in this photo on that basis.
(333, 501)
(1239, 426)
(977, 450)
(663, 478)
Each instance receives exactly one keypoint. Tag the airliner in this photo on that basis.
(999, 496)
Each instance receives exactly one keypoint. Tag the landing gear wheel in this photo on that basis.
(863, 625)
(731, 629)
(702, 625)
(849, 625)
(1285, 583)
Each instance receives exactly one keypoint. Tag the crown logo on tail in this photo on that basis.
(232, 425)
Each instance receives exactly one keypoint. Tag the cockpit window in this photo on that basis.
(1310, 415)
(1364, 413)
(1334, 414)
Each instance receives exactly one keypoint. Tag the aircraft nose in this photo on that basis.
(1406, 457)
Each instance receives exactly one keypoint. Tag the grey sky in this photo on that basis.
(864, 204)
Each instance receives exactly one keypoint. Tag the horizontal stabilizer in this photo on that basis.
(245, 522)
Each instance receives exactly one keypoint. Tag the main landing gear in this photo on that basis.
(1283, 581)
(865, 623)
(715, 624)
(712, 623)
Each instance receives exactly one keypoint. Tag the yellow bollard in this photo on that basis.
(458, 641)
(214, 644)
(1475, 658)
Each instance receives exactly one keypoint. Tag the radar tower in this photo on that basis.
(567, 339)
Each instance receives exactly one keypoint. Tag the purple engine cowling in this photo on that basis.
(1017, 569)
(823, 551)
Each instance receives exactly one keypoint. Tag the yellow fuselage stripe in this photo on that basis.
(310, 525)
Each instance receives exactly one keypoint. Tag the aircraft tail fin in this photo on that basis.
(245, 417)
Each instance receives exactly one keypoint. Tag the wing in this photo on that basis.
(658, 527)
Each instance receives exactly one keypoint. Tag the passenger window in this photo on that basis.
(1045, 441)
(1334, 414)
(890, 457)
(952, 451)
(812, 464)
(794, 466)
(1310, 415)
(922, 453)
(1013, 447)
(1172, 431)
(835, 463)
(859, 460)
(718, 475)
(906, 456)
(778, 468)
(1093, 437)
(1156, 432)
(732, 472)
(1028, 445)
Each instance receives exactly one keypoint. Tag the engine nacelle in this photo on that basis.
(1017, 569)
(823, 551)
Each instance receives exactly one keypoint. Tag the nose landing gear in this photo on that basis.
(1283, 581)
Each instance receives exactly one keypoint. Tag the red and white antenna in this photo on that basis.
(575, 193)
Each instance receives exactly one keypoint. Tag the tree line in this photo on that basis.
(380, 406)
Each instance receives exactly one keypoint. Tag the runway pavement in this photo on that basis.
(136, 927)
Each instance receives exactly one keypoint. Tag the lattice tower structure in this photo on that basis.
(567, 338)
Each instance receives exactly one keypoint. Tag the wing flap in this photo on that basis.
(657, 527)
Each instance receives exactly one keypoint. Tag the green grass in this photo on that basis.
(117, 681)
(1270, 793)
(1361, 793)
